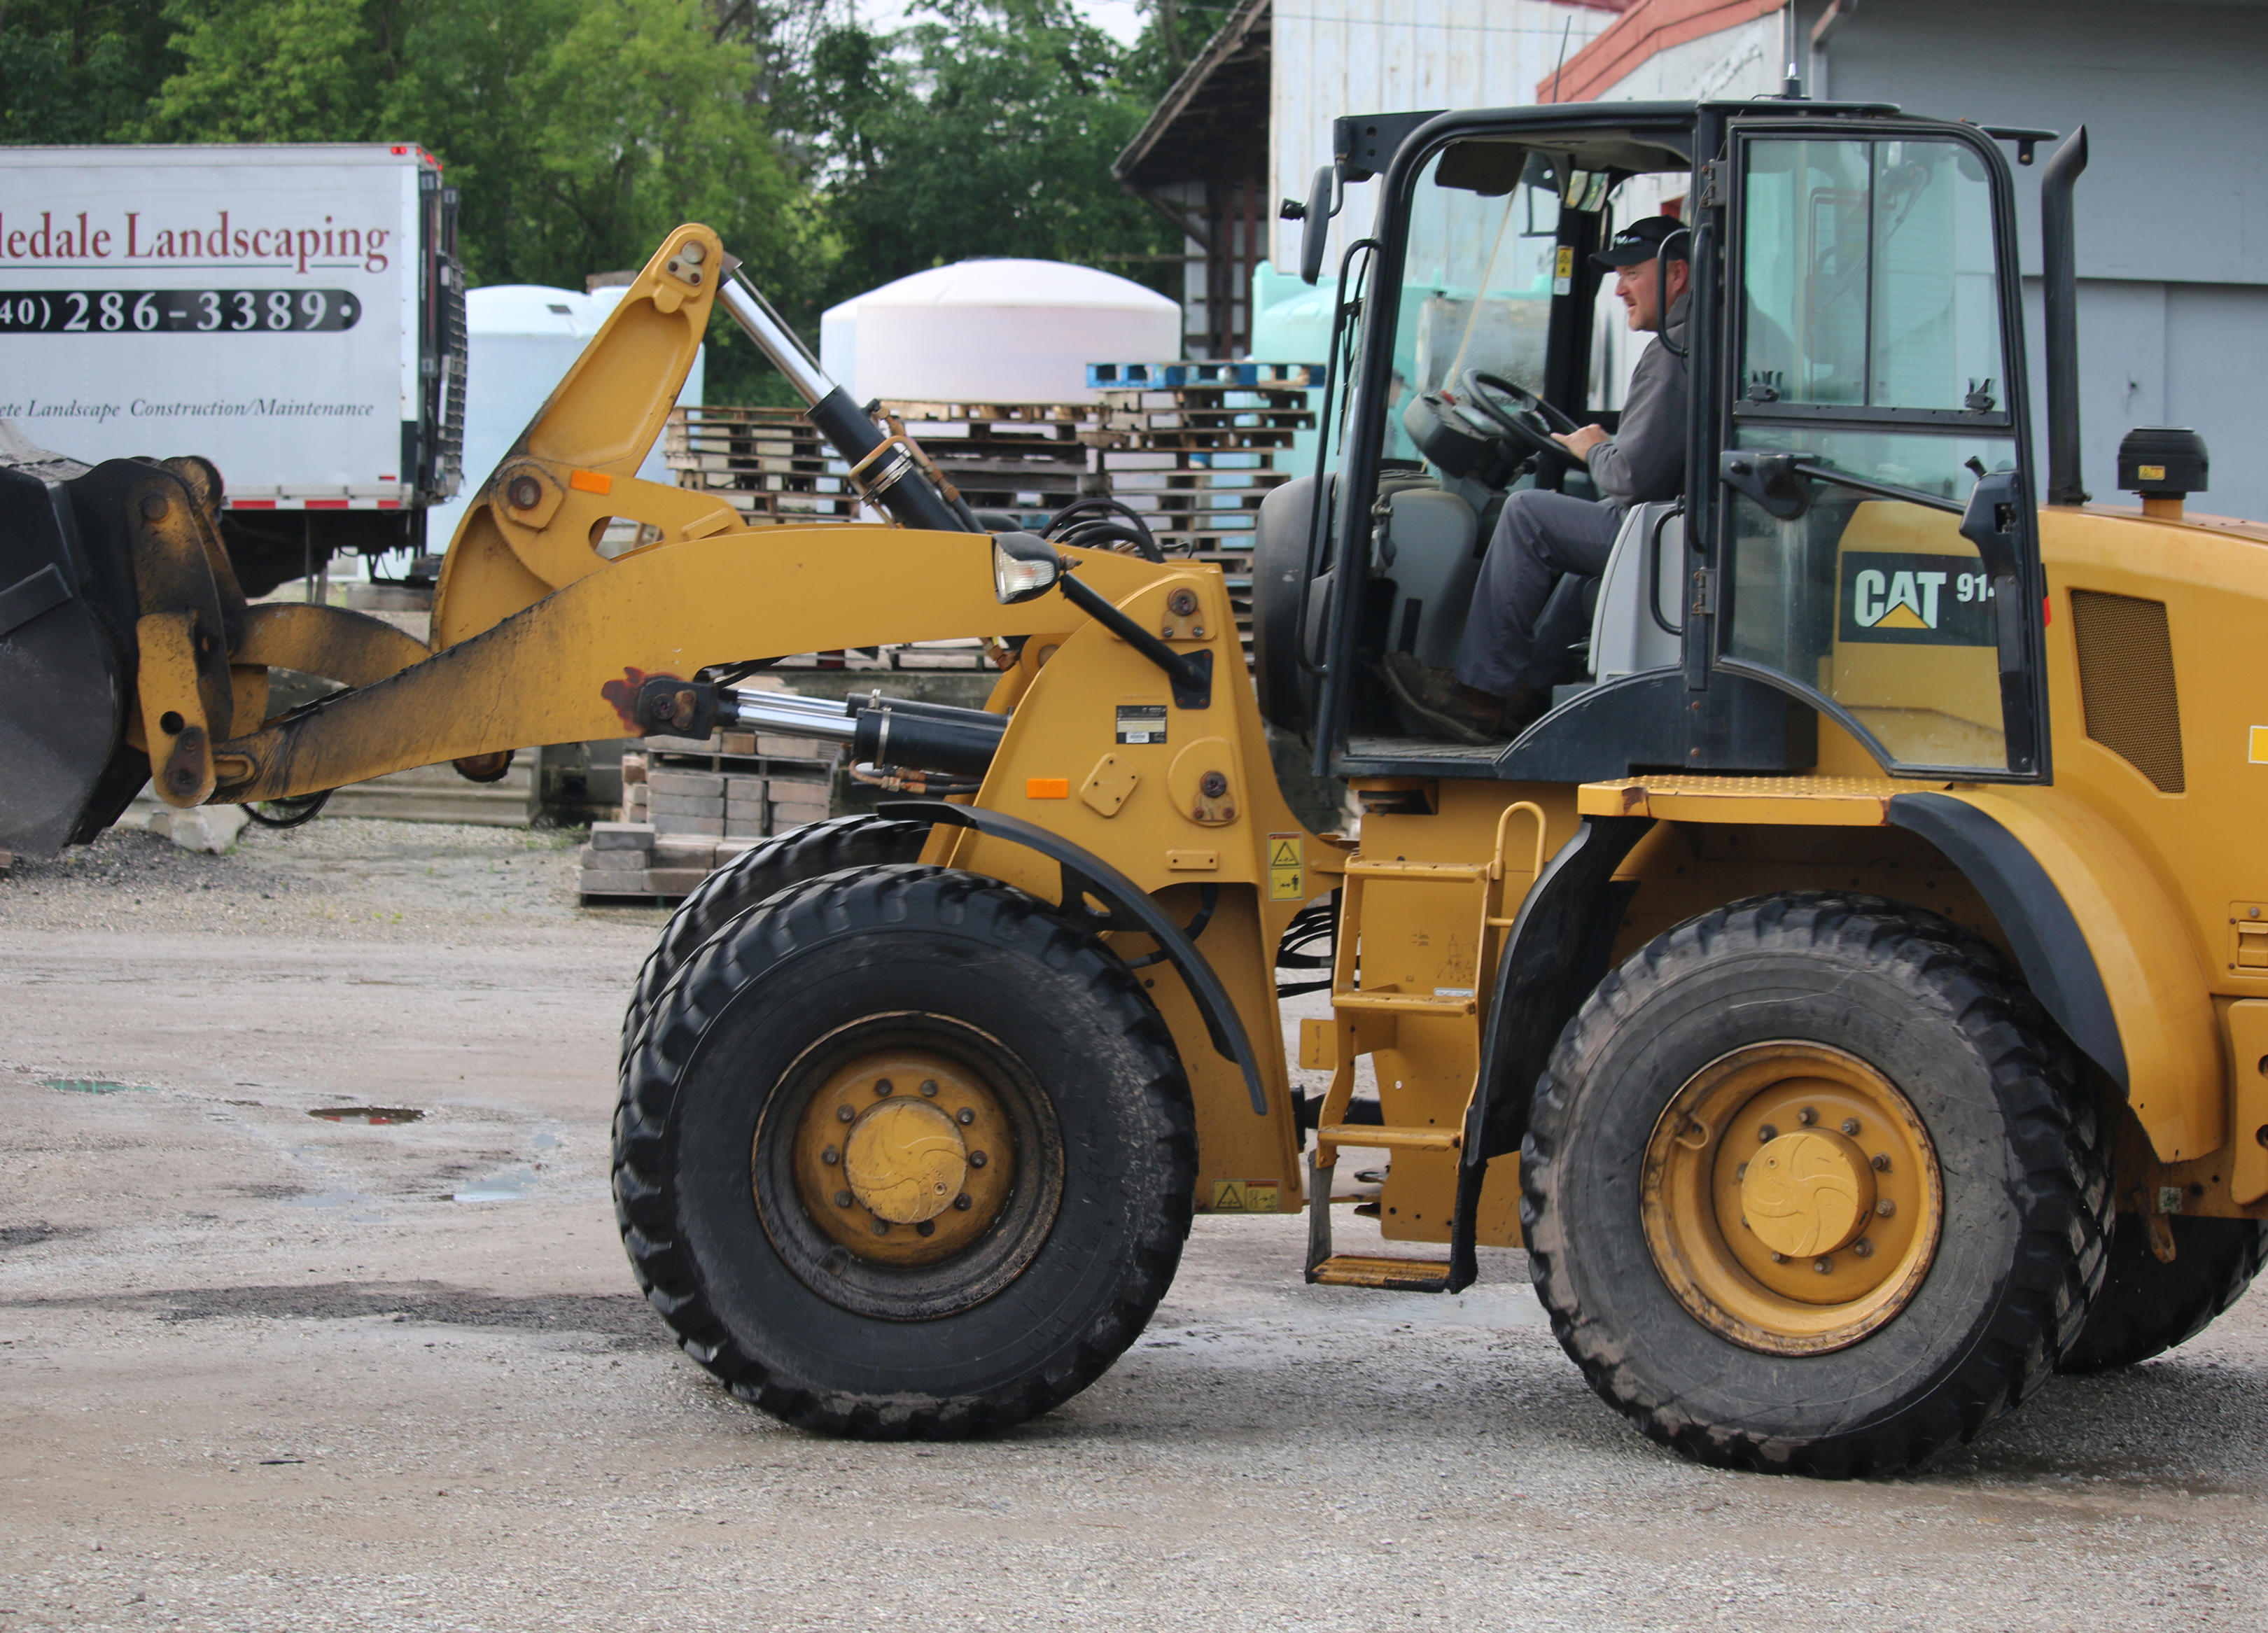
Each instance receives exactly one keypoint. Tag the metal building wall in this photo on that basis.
(2173, 211)
(1333, 57)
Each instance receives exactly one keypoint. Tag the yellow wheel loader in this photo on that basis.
(1852, 992)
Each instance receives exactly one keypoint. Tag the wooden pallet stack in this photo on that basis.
(769, 464)
(1193, 448)
(692, 804)
(1198, 446)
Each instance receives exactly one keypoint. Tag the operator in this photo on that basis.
(1502, 683)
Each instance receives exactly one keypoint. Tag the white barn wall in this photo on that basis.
(1397, 56)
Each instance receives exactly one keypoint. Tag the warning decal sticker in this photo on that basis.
(1285, 869)
(1245, 1196)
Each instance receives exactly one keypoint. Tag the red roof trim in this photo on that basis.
(1648, 29)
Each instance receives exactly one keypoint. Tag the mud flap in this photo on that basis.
(66, 666)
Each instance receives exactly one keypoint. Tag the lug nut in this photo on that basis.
(843, 1113)
(964, 1201)
(1823, 1265)
(927, 1227)
(977, 1159)
(1738, 1174)
(1882, 1162)
(1767, 1134)
(842, 1199)
(830, 1156)
(964, 1116)
(882, 1227)
(1807, 1116)
(1886, 1207)
(1864, 1248)
(1780, 1258)
(881, 1087)
(929, 1087)
(1851, 1127)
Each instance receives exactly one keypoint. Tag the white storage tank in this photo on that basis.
(520, 340)
(995, 331)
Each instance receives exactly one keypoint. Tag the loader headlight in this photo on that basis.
(1023, 566)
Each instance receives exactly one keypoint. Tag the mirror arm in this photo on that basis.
(1189, 672)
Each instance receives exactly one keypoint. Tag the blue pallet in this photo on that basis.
(1170, 376)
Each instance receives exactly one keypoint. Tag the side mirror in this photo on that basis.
(1316, 226)
(1023, 566)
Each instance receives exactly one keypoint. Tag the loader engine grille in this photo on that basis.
(2126, 683)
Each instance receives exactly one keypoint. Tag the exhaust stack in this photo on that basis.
(2059, 284)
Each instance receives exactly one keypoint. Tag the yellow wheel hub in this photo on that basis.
(904, 1157)
(905, 1161)
(1807, 1192)
(1792, 1197)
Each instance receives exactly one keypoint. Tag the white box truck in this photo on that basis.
(294, 314)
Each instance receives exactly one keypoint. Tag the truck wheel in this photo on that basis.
(756, 875)
(902, 1154)
(2146, 1307)
(1810, 1187)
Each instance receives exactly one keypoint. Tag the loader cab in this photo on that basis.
(1857, 536)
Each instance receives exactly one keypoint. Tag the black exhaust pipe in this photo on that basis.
(2059, 284)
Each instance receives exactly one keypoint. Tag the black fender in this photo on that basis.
(2042, 931)
(1556, 952)
(1087, 874)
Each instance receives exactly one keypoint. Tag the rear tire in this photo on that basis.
(1748, 1362)
(756, 875)
(921, 994)
(2146, 1307)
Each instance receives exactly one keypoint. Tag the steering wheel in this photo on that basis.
(1520, 414)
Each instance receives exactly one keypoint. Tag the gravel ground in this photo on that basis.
(260, 1370)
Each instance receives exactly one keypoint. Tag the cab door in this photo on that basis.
(1874, 548)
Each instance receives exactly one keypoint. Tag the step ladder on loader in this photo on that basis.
(1367, 1019)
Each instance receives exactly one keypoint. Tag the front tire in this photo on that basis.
(902, 1154)
(756, 875)
(1810, 1187)
(2146, 1307)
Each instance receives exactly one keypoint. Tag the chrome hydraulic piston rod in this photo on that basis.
(890, 477)
(885, 732)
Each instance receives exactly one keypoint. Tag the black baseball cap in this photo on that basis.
(1642, 241)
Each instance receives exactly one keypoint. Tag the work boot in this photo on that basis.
(1433, 702)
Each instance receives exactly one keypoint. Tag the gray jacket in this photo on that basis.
(1645, 459)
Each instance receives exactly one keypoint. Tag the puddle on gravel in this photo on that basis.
(95, 1085)
(374, 1116)
(509, 1186)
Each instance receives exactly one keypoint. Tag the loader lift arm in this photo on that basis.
(537, 637)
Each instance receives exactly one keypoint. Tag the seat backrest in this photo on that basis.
(1432, 538)
(1636, 624)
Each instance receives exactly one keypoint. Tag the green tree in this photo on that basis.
(275, 71)
(80, 71)
(988, 129)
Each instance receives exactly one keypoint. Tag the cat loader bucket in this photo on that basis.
(67, 649)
